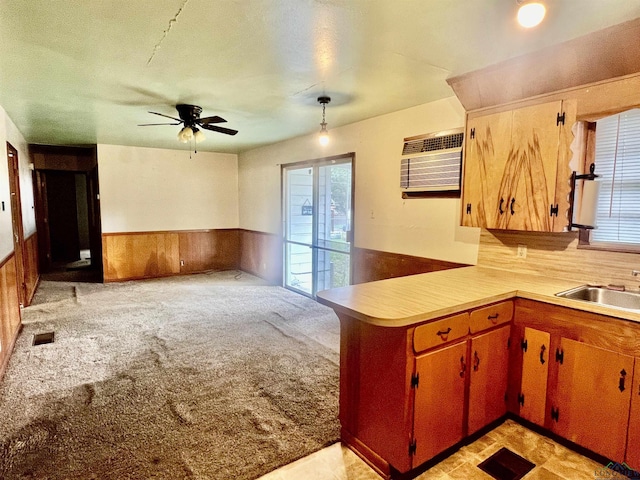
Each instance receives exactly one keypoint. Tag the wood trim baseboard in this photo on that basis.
(167, 232)
(9, 351)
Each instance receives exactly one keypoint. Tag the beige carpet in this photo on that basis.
(213, 376)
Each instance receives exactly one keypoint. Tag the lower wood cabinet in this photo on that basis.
(488, 369)
(439, 401)
(633, 438)
(592, 397)
(535, 371)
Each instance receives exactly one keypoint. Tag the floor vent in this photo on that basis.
(43, 338)
(506, 465)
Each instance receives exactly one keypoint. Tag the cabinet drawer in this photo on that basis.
(440, 332)
(491, 316)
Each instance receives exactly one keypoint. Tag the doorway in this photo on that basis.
(318, 233)
(16, 220)
(68, 213)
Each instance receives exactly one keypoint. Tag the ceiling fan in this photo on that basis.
(190, 117)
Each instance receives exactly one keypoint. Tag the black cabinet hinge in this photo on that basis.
(412, 448)
(559, 356)
(555, 414)
(523, 344)
(468, 209)
(472, 133)
(560, 119)
(521, 399)
(553, 210)
(415, 380)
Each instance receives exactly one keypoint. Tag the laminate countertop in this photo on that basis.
(404, 301)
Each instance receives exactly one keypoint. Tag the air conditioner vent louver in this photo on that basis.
(431, 164)
(434, 143)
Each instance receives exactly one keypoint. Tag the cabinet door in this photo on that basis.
(439, 401)
(488, 367)
(486, 148)
(593, 398)
(529, 176)
(535, 371)
(633, 441)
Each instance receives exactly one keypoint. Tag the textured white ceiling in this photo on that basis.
(87, 71)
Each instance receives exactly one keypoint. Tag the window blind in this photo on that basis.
(617, 160)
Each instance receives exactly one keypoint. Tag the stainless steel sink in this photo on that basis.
(604, 296)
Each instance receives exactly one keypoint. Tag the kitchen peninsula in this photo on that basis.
(427, 360)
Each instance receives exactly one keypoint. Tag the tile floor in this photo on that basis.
(553, 461)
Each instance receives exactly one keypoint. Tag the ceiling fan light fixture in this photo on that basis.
(323, 137)
(530, 14)
(198, 136)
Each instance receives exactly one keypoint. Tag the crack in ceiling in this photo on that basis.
(166, 32)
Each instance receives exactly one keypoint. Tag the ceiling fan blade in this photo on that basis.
(227, 131)
(214, 119)
(168, 116)
(149, 124)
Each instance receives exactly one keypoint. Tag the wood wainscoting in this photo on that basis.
(261, 255)
(371, 265)
(31, 271)
(139, 255)
(9, 309)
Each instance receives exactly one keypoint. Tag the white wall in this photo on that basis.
(9, 133)
(151, 189)
(383, 220)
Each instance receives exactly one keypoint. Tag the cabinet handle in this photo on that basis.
(623, 375)
(463, 367)
(443, 334)
(542, 350)
(500, 207)
(513, 200)
(476, 361)
(493, 318)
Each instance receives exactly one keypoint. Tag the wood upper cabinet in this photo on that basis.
(439, 401)
(488, 370)
(633, 439)
(592, 399)
(487, 148)
(516, 168)
(535, 372)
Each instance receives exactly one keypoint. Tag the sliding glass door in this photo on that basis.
(317, 225)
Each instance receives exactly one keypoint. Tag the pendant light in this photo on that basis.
(324, 134)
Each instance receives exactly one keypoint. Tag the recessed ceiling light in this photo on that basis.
(531, 14)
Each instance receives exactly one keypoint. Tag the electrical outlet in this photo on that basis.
(522, 251)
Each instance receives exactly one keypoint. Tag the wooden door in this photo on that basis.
(535, 371)
(593, 398)
(529, 176)
(486, 149)
(633, 439)
(488, 368)
(16, 217)
(439, 401)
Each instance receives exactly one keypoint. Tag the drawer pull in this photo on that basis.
(493, 318)
(500, 207)
(443, 333)
(513, 200)
(476, 361)
(542, 350)
(463, 367)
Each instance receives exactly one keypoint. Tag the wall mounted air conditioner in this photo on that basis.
(431, 165)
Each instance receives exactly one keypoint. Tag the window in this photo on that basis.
(617, 160)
